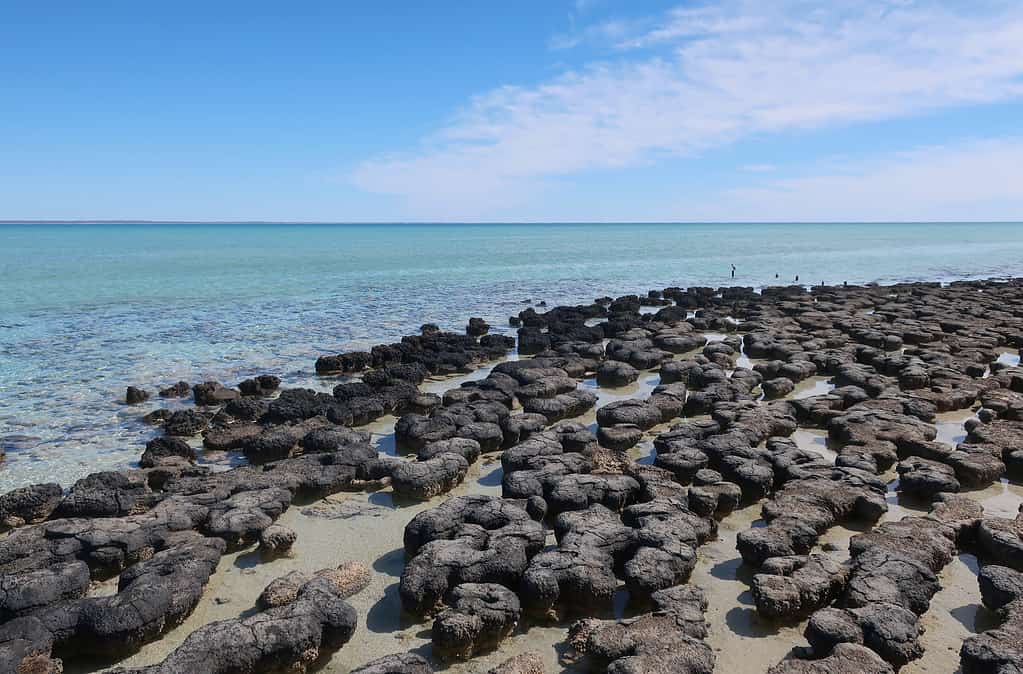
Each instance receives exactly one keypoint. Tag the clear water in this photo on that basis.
(86, 310)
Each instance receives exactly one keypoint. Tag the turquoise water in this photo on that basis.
(86, 310)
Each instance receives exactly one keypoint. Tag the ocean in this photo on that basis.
(86, 310)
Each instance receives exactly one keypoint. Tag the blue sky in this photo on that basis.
(582, 110)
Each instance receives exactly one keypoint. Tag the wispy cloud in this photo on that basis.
(973, 180)
(605, 32)
(707, 76)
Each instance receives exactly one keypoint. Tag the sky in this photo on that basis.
(552, 110)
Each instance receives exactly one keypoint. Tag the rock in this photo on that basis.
(232, 436)
(212, 393)
(487, 435)
(880, 577)
(785, 537)
(978, 465)
(241, 518)
(845, 658)
(616, 373)
(480, 615)
(399, 663)
(619, 437)
(789, 587)
(25, 593)
(348, 579)
(467, 539)
(926, 478)
(519, 427)
(778, 387)
(426, 479)
(688, 372)
(287, 637)
(107, 494)
(815, 497)
(1000, 586)
(579, 491)
(1001, 540)
(333, 439)
(29, 505)
(684, 463)
(716, 499)
(887, 629)
(424, 404)
(135, 396)
(679, 343)
(639, 413)
(159, 449)
(178, 390)
(246, 409)
(997, 650)
(157, 417)
(467, 448)
(185, 423)
(414, 431)
(276, 539)
(706, 476)
(869, 426)
(525, 663)
(477, 327)
(282, 590)
(667, 640)
(959, 512)
(293, 405)
(923, 539)
(274, 443)
(263, 385)
(578, 576)
(562, 406)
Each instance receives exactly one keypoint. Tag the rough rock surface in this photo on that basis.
(288, 637)
(468, 539)
(478, 617)
(999, 650)
(398, 663)
(845, 658)
(897, 357)
(669, 639)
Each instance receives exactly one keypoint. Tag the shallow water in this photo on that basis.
(88, 309)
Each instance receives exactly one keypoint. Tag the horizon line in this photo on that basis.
(499, 222)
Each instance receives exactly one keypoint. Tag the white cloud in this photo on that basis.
(603, 32)
(972, 181)
(705, 77)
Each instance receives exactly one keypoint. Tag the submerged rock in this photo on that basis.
(135, 396)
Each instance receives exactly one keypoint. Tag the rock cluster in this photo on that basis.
(894, 358)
